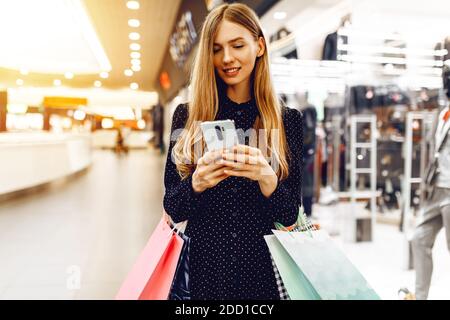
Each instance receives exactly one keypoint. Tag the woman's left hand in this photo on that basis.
(249, 162)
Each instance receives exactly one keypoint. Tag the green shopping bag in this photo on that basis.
(313, 267)
(327, 269)
(297, 286)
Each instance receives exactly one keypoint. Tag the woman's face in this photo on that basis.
(235, 51)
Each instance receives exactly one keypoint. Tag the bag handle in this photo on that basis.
(303, 224)
(173, 225)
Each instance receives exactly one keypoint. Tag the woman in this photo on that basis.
(232, 197)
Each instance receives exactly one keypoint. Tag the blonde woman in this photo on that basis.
(232, 197)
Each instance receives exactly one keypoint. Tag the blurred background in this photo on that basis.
(87, 93)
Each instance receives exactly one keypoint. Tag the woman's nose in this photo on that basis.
(227, 57)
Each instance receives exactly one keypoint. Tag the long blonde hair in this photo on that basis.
(205, 86)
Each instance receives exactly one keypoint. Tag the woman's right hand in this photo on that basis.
(209, 171)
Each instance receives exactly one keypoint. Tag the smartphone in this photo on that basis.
(219, 134)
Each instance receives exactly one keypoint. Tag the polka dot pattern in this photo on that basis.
(229, 258)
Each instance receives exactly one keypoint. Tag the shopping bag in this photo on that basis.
(323, 264)
(153, 272)
(280, 285)
(180, 289)
(297, 285)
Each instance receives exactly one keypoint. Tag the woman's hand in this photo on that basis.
(209, 171)
(250, 163)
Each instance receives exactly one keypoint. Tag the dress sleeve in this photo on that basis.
(180, 200)
(283, 204)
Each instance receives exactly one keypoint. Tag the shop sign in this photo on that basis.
(183, 39)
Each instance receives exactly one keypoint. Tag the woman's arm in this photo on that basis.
(280, 199)
(180, 200)
(284, 202)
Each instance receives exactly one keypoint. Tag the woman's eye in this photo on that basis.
(215, 50)
(238, 46)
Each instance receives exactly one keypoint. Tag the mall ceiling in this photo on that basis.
(110, 20)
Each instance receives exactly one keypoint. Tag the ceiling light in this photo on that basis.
(24, 72)
(97, 83)
(135, 46)
(40, 47)
(57, 82)
(134, 86)
(68, 75)
(141, 124)
(279, 15)
(128, 72)
(133, 5)
(19, 82)
(107, 123)
(134, 23)
(136, 67)
(135, 61)
(104, 75)
(17, 108)
(134, 36)
(135, 55)
(79, 115)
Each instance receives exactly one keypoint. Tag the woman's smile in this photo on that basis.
(231, 72)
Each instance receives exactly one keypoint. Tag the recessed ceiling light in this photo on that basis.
(128, 72)
(24, 71)
(19, 82)
(134, 36)
(141, 124)
(136, 67)
(135, 46)
(135, 55)
(104, 74)
(57, 82)
(107, 123)
(134, 86)
(97, 83)
(135, 61)
(280, 15)
(79, 115)
(68, 75)
(134, 23)
(133, 5)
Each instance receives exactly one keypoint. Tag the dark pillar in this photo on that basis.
(46, 119)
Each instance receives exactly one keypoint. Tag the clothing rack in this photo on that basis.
(371, 147)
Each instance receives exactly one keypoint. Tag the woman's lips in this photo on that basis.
(231, 72)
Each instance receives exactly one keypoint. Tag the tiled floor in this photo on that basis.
(96, 224)
(79, 240)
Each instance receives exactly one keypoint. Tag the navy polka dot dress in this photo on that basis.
(229, 258)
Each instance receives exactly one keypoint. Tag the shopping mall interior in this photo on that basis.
(87, 93)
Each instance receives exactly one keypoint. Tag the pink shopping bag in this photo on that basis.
(152, 274)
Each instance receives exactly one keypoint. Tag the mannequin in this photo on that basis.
(436, 209)
(309, 146)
